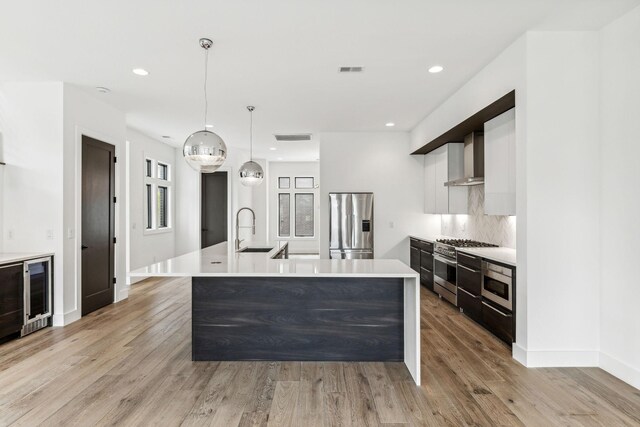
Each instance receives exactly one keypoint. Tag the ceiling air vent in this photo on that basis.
(351, 69)
(293, 137)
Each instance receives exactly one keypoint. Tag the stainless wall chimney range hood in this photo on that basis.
(473, 161)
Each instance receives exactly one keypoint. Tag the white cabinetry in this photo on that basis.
(441, 165)
(500, 165)
(429, 183)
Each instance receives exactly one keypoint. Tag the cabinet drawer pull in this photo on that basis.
(467, 268)
(495, 309)
(468, 256)
(11, 265)
(468, 293)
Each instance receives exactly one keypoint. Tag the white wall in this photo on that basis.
(32, 128)
(377, 162)
(260, 204)
(87, 115)
(620, 184)
(292, 170)
(563, 198)
(147, 247)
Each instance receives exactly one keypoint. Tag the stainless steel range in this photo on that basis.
(444, 266)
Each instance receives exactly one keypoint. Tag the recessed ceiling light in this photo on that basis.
(390, 124)
(140, 72)
(103, 89)
(436, 69)
(166, 136)
(208, 126)
(272, 148)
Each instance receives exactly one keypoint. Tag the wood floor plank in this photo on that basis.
(285, 402)
(384, 395)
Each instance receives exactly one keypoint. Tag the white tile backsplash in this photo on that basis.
(499, 230)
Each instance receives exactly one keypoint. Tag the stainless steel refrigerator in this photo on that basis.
(351, 226)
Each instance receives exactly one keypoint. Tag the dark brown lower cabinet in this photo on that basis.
(426, 278)
(498, 321)
(11, 299)
(414, 257)
(470, 305)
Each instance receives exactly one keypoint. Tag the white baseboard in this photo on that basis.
(620, 369)
(132, 280)
(519, 354)
(555, 358)
(66, 318)
(123, 294)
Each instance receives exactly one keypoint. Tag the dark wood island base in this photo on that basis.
(298, 318)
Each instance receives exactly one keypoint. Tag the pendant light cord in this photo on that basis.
(206, 103)
(251, 135)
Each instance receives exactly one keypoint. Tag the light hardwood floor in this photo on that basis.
(130, 364)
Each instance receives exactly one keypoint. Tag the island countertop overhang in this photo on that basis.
(222, 260)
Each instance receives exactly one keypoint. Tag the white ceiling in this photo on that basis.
(280, 55)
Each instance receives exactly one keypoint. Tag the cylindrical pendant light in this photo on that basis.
(251, 173)
(203, 150)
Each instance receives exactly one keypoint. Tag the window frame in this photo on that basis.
(150, 204)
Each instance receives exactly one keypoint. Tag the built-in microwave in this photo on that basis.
(497, 284)
(37, 294)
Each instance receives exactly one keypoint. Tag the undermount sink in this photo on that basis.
(249, 249)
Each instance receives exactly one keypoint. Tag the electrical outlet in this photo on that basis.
(133, 225)
(49, 234)
(392, 224)
(10, 235)
(71, 233)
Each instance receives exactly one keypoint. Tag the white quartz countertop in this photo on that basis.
(431, 239)
(222, 260)
(7, 258)
(500, 254)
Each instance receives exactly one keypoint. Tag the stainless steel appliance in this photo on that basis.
(445, 266)
(37, 294)
(351, 225)
(497, 284)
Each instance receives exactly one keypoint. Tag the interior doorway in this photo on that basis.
(98, 224)
(214, 215)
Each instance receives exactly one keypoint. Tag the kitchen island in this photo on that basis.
(250, 306)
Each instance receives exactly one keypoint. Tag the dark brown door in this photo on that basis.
(214, 208)
(98, 224)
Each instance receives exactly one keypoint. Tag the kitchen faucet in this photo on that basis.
(253, 226)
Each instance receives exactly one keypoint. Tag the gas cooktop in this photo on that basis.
(465, 243)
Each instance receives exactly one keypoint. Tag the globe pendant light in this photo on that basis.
(251, 173)
(203, 150)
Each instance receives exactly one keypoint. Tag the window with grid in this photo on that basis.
(296, 218)
(158, 200)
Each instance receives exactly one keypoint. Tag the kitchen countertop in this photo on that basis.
(7, 258)
(431, 239)
(500, 254)
(222, 260)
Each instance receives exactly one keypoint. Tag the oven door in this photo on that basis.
(497, 287)
(444, 273)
